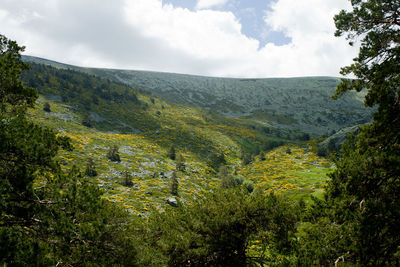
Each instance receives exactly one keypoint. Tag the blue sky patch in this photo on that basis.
(251, 15)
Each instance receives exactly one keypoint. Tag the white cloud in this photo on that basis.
(203, 4)
(145, 34)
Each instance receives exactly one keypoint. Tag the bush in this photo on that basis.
(46, 107)
(216, 229)
(90, 168)
(113, 154)
(126, 179)
(171, 153)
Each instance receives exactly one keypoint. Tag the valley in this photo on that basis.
(141, 181)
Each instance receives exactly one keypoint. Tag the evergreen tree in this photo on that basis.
(63, 219)
(127, 179)
(180, 163)
(113, 154)
(174, 184)
(361, 213)
(171, 152)
(90, 168)
(86, 120)
(46, 107)
(217, 229)
(228, 180)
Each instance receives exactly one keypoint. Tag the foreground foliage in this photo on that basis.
(358, 222)
(47, 216)
(218, 229)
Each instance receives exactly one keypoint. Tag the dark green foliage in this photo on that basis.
(331, 145)
(171, 153)
(87, 93)
(216, 230)
(12, 90)
(322, 151)
(86, 120)
(268, 145)
(249, 185)
(358, 220)
(246, 158)
(288, 151)
(217, 160)
(113, 154)
(46, 107)
(90, 168)
(228, 180)
(49, 217)
(304, 137)
(262, 155)
(174, 184)
(81, 88)
(180, 163)
(126, 179)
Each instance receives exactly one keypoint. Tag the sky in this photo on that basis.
(223, 38)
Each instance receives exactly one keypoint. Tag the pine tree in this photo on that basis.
(90, 168)
(46, 107)
(362, 203)
(180, 163)
(113, 154)
(64, 220)
(174, 184)
(127, 179)
(171, 152)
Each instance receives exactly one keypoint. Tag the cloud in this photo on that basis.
(203, 4)
(145, 34)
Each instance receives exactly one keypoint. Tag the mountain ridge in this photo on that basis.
(300, 104)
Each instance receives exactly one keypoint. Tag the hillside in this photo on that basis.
(140, 182)
(98, 114)
(295, 104)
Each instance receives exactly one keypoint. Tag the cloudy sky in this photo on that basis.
(230, 38)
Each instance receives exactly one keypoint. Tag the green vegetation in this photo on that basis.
(357, 221)
(273, 102)
(249, 194)
(48, 216)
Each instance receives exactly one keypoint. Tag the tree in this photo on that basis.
(46, 107)
(90, 168)
(47, 216)
(180, 163)
(362, 196)
(86, 120)
(217, 229)
(174, 184)
(12, 91)
(228, 180)
(171, 152)
(113, 154)
(127, 179)
(246, 159)
(217, 160)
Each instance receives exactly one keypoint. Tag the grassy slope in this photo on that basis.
(299, 173)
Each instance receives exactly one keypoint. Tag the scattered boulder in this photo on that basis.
(172, 201)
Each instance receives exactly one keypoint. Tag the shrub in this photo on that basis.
(113, 154)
